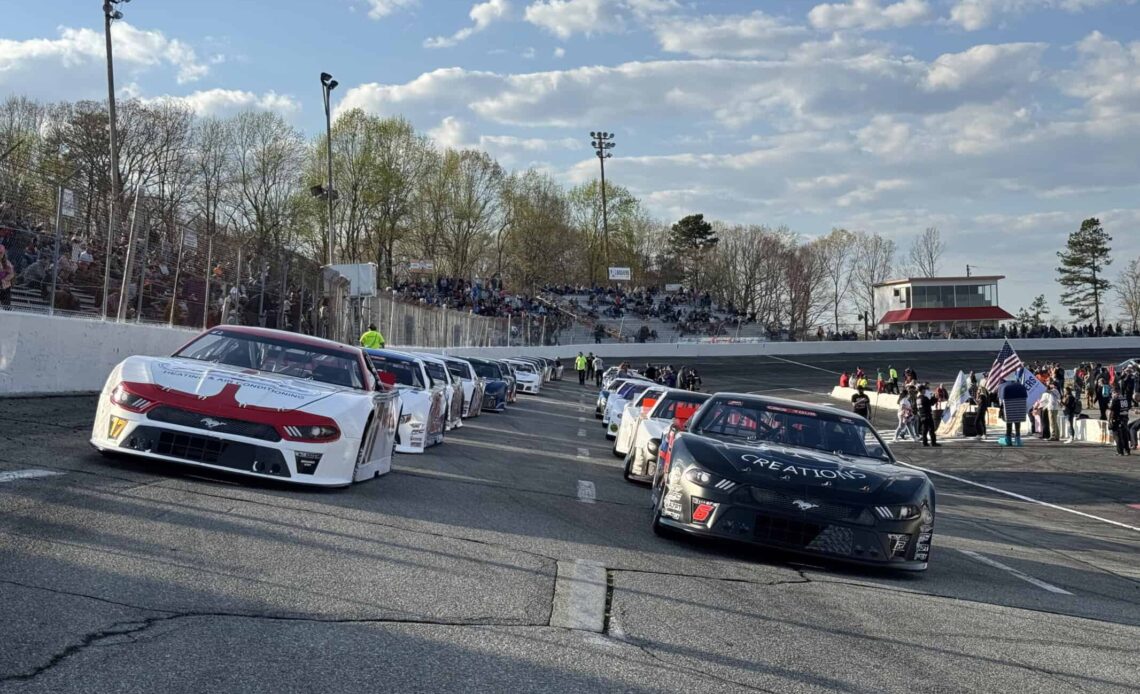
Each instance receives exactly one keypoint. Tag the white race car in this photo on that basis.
(639, 442)
(423, 413)
(473, 386)
(528, 376)
(615, 404)
(634, 409)
(253, 401)
(437, 369)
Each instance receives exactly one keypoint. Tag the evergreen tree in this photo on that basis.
(1081, 272)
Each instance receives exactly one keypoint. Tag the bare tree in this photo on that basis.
(266, 156)
(1128, 292)
(837, 254)
(926, 253)
(874, 264)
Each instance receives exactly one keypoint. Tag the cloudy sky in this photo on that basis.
(1002, 122)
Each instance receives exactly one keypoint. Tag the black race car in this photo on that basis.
(792, 476)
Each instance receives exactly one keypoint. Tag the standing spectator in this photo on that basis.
(580, 367)
(880, 383)
(1071, 406)
(1053, 412)
(598, 370)
(1013, 399)
(926, 406)
(861, 403)
(893, 375)
(982, 403)
(1118, 421)
(844, 380)
(7, 274)
(590, 366)
(1103, 395)
(905, 414)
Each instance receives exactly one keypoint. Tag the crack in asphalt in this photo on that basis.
(803, 578)
(131, 628)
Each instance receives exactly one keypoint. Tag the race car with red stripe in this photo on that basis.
(256, 402)
(639, 438)
(796, 477)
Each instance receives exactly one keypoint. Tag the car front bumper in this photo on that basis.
(774, 522)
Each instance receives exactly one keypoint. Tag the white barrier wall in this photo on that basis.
(43, 355)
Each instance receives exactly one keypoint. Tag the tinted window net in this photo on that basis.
(737, 420)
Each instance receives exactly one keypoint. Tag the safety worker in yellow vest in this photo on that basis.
(372, 339)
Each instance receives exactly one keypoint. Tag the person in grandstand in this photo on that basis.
(372, 339)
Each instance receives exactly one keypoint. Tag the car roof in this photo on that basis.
(285, 335)
(393, 353)
(787, 402)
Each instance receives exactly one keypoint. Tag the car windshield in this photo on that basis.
(458, 370)
(788, 425)
(279, 356)
(524, 367)
(436, 371)
(630, 390)
(405, 371)
(487, 370)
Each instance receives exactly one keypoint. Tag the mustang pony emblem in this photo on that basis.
(804, 505)
(212, 424)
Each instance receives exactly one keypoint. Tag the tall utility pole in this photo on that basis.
(603, 142)
(327, 85)
(110, 14)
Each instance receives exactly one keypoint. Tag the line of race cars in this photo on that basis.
(271, 404)
(268, 403)
(778, 473)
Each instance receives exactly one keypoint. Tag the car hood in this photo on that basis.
(774, 465)
(249, 388)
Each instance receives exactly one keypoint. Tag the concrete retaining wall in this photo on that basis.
(46, 355)
(41, 355)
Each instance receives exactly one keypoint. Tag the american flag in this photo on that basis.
(1005, 364)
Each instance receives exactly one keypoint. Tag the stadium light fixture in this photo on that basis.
(603, 142)
(327, 85)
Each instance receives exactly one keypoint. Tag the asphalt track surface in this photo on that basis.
(130, 576)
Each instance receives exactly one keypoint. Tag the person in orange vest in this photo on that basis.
(844, 379)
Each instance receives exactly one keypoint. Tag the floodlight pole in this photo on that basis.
(602, 142)
(327, 85)
(109, 15)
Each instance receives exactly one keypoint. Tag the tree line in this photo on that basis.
(401, 198)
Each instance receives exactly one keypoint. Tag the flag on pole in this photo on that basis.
(959, 394)
(1004, 365)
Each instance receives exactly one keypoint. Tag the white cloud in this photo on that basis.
(69, 66)
(564, 18)
(1002, 64)
(227, 102)
(746, 36)
(1107, 77)
(559, 52)
(483, 14)
(972, 15)
(378, 9)
(868, 14)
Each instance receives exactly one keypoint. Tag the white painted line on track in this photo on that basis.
(581, 420)
(579, 596)
(13, 475)
(583, 453)
(1019, 574)
(800, 363)
(582, 433)
(1020, 497)
(587, 494)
